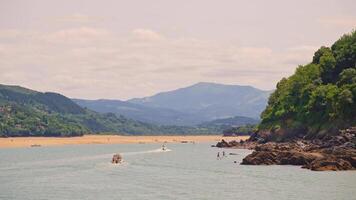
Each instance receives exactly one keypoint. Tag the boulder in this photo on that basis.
(260, 158)
(329, 164)
(275, 157)
(223, 144)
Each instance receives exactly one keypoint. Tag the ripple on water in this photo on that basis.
(188, 171)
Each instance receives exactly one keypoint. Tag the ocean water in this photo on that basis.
(187, 171)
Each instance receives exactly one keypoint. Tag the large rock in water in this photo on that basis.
(117, 158)
(329, 164)
(223, 144)
(331, 153)
(274, 157)
(317, 159)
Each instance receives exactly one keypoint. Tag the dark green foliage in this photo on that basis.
(58, 103)
(18, 120)
(241, 130)
(52, 102)
(319, 98)
(220, 125)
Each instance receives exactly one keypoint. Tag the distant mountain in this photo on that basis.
(158, 116)
(188, 106)
(209, 101)
(25, 112)
(48, 101)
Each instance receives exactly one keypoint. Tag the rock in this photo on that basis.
(260, 158)
(261, 140)
(278, 158)
(117, 158)
(223, 144)
(235, 144)
(295, 158)
(329, 164)
(329, 153)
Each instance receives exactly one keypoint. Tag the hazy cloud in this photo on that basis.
(92, 62)
(77, 18)
(338, 21)
(123, 49)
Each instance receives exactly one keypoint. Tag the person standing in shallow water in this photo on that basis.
(223, 154)
(218, 155)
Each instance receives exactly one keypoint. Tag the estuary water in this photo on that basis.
(186, 171)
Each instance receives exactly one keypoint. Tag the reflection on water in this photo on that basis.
(185, 171)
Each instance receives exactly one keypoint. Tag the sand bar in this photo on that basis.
(108, 139)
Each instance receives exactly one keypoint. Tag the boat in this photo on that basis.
(164, 147)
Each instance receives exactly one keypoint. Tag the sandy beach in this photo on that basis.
(107, 139)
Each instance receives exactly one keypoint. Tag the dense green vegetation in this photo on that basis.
(17, 120)
(237, 125)
(319, 98)
(240, 130)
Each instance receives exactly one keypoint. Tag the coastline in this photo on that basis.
(14, 142)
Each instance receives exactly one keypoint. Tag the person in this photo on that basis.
(223, 153)
(218, 156)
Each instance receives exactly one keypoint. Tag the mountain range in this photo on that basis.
(187, 106)
(26, 112)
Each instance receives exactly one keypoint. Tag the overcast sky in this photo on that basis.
(123, 49)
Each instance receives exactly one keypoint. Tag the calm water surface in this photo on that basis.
(188, 171)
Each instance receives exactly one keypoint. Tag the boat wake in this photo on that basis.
(146, 152)
(62, 161)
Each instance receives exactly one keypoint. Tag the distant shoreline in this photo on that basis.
(13, 142)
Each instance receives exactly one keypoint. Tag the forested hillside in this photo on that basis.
(25, 112)
(318, 99)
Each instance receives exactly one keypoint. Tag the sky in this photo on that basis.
(117, 49)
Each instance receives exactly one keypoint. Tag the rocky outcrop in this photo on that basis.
(279, 158)
(223, 144)
(329, 164)
(235, 144)
(116, 159)
(330, 153)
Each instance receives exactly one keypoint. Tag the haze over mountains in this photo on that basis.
(191, 105)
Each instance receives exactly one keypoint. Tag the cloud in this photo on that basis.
(9, 33)
(77, 19)
(146, 34)
(338, 21)
(89, 62)
(299, 55)
(77, 35)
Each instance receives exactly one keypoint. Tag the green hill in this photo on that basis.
(24, 112)
(318, 99)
